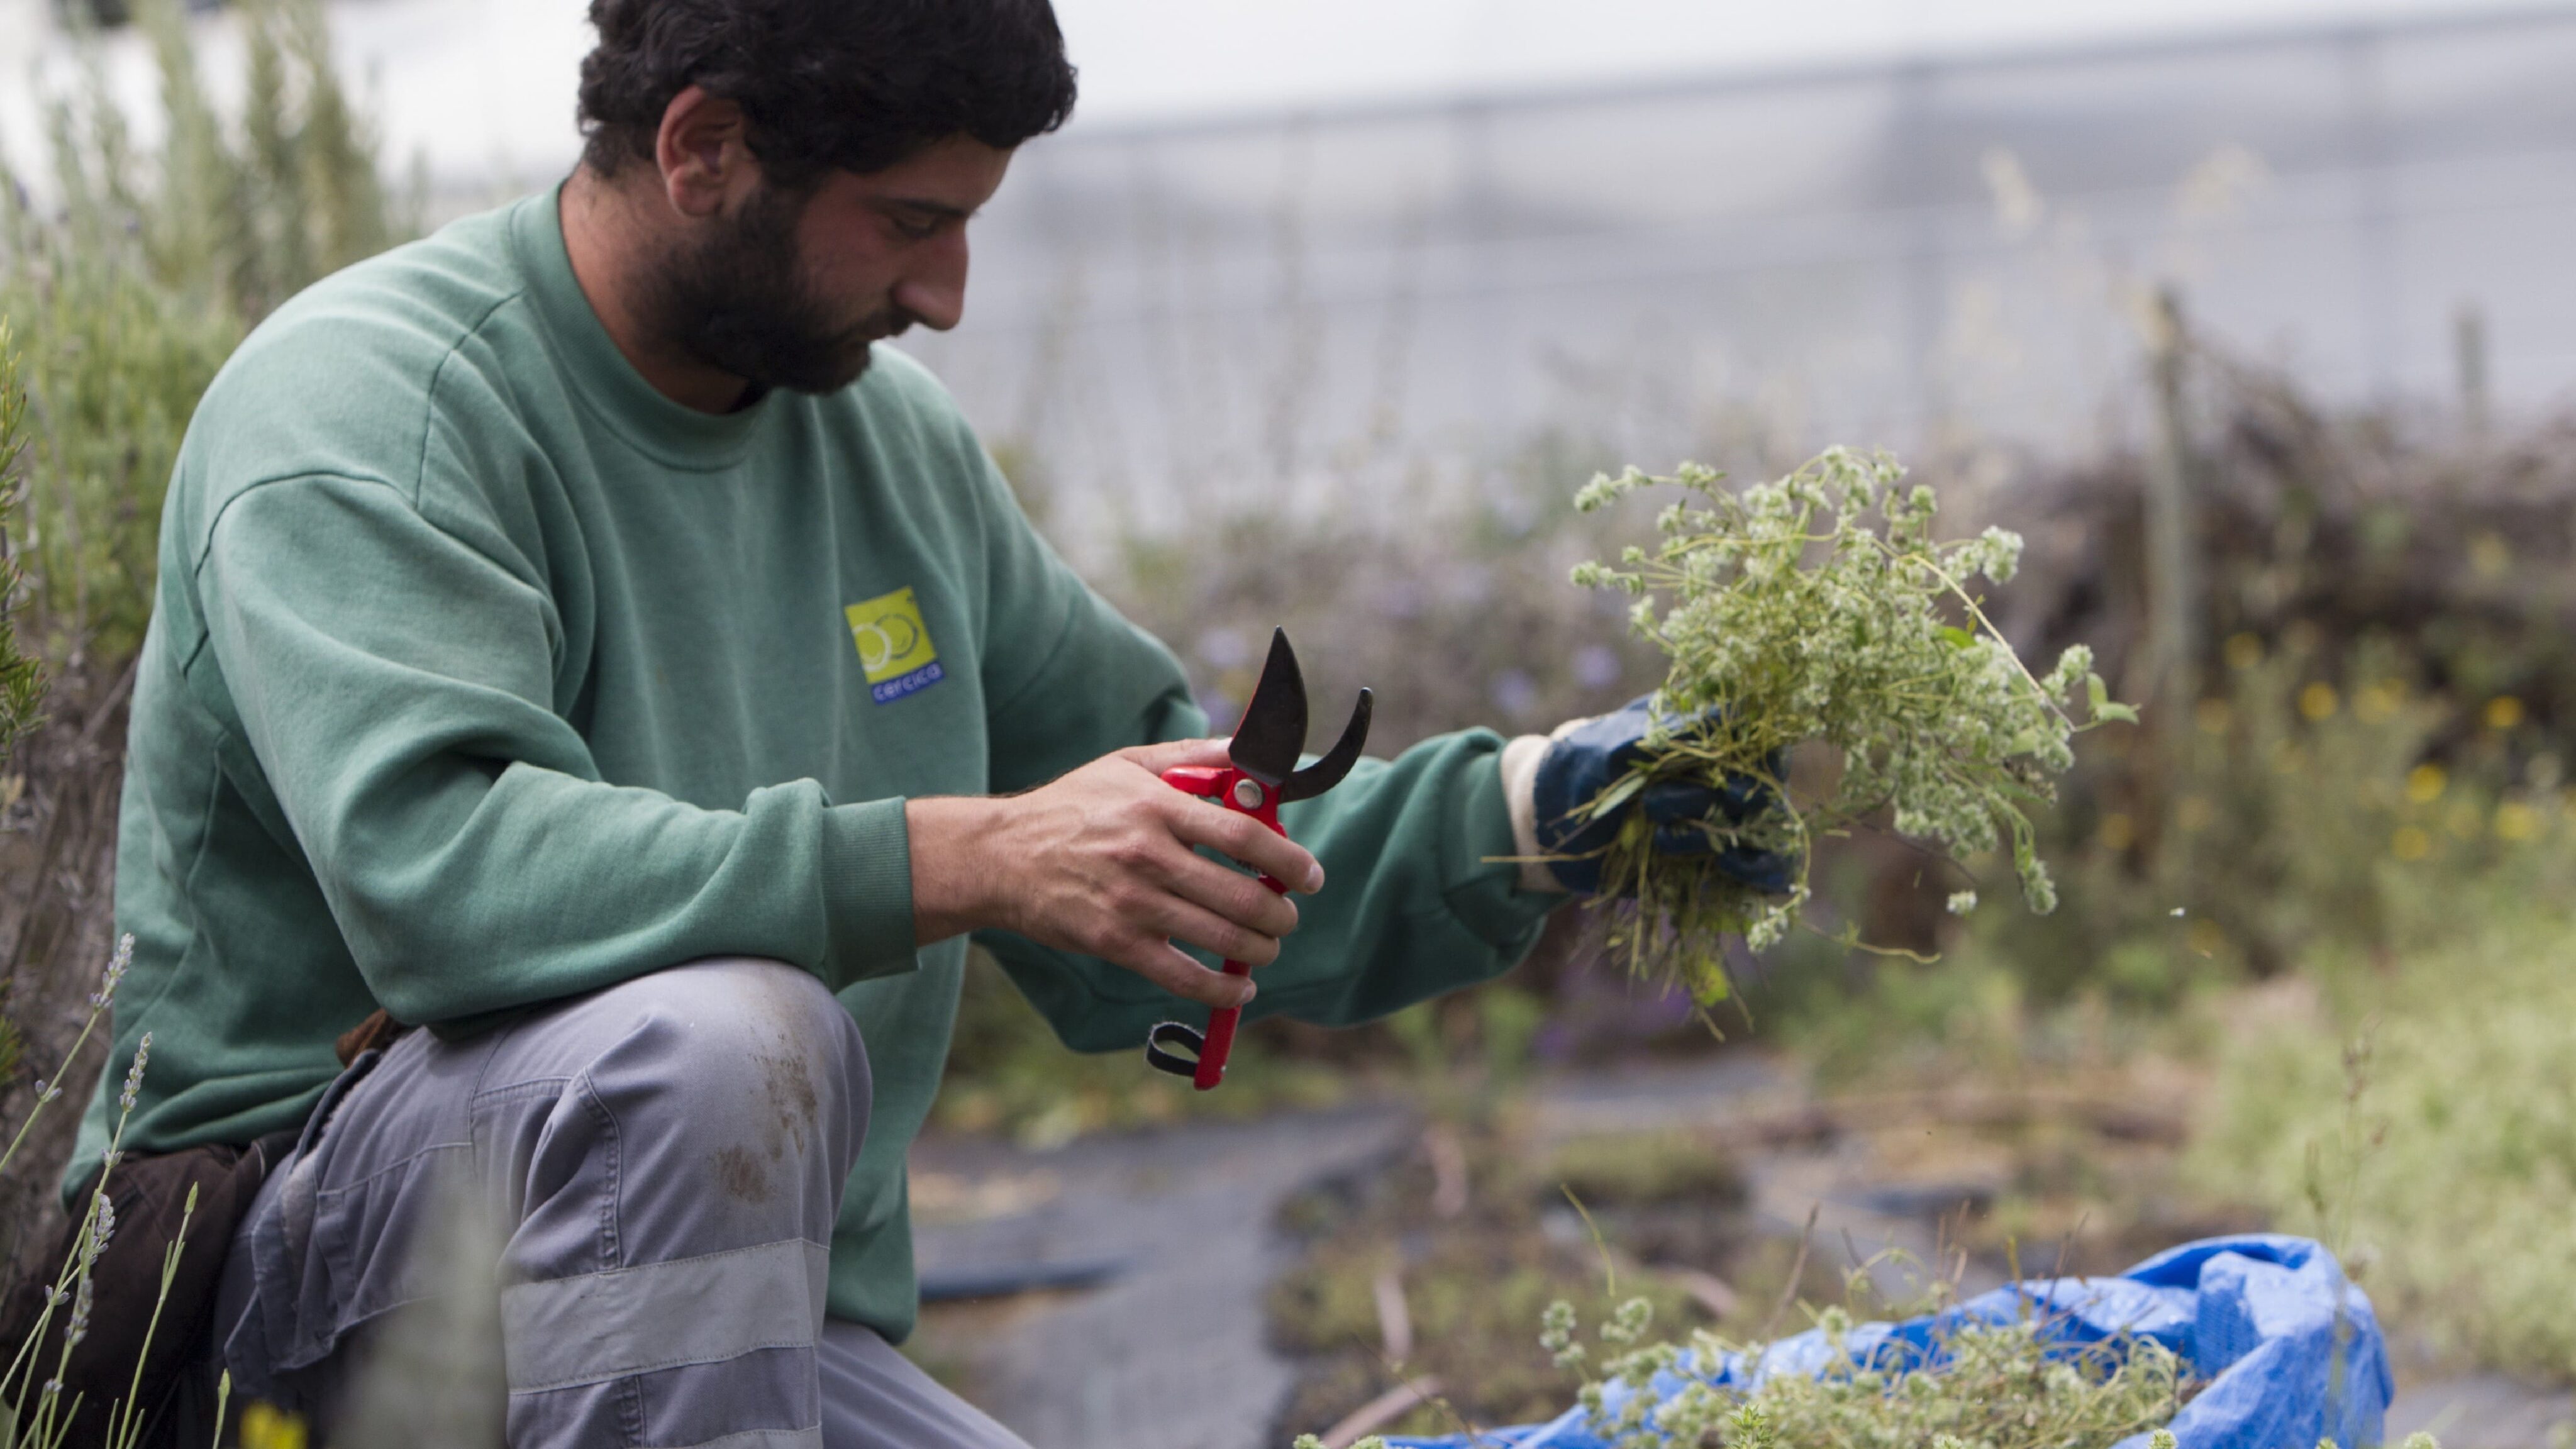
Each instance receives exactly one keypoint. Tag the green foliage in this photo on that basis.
(1470, 1301)
(126, 277)
(2285, 815)
(115, 368)
(1475, 1249)
(1995, 1387)
(2422, 1109)
(247, 212)
(22, 680)
(1820, 609)
(136, 278)
(1434, 1266)
(1652, 1167)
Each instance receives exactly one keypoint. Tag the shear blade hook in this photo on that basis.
(1328, 771)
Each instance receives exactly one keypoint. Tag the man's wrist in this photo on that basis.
(951, 866)
(1519, 765)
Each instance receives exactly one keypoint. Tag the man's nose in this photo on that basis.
(934, 289)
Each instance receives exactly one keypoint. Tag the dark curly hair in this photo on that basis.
(853, 85)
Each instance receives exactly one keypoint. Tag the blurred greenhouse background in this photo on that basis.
(1184, 303)
(1906, 255)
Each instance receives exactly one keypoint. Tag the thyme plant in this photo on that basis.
(1820, 608)
(1993, 1386)
(1987, 1386)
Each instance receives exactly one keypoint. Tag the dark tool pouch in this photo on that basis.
(149, 1195)
(150, 1198)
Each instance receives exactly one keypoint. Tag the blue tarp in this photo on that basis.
(2291, 1350)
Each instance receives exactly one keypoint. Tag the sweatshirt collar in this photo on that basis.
(670, 432)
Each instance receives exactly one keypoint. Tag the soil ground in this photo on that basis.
(1151, 1256)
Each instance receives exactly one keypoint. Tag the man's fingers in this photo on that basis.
(1239, 836)
(1185, 921)
(1247, 840)
(1231, 896)
(1172, 969)
(1138, 843)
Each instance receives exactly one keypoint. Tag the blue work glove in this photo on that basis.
(1581, 762)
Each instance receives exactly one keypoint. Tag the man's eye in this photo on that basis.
(914, 230)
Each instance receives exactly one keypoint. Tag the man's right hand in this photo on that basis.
(1102, 862)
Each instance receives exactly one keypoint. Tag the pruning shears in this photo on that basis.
(1262, 777)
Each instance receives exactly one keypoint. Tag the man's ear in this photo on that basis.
(704, 152)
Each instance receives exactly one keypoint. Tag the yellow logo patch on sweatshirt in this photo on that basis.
(894, 646)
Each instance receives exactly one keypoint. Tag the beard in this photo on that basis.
(736, 299)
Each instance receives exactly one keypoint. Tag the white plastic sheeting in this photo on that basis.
(1356, 305)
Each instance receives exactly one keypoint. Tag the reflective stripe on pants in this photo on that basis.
(662, 1161)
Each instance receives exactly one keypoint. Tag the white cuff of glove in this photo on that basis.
(1520, 791)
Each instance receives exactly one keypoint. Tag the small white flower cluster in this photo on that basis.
(105, 995)
(1985, 1386)
(75, 1287)
(49, 1091)
(78, 1328)
(1820, 608)
(134, 1074)
(1556, 1335)
(102, 1228)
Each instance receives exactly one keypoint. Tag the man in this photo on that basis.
(525, 667)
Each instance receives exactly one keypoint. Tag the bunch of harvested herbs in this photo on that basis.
(1820, 609)
(1991, 1386)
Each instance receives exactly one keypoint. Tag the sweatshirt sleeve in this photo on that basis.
(1413, 905)
(471, 855)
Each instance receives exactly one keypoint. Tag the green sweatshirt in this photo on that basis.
(482, 674)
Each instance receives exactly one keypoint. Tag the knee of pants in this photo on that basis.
(743, 1076)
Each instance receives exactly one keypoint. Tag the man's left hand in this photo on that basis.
(1548, 779)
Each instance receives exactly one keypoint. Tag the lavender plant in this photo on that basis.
(128, 270)
(34, 1413)
(1820, 608)
(22, 680)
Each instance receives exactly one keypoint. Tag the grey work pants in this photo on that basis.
(661, 1163)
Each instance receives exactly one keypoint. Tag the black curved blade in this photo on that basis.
(1272, 732)
(1327, 772)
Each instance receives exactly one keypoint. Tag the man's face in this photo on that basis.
(789, 288)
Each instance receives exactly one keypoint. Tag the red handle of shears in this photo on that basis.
(1243, 795)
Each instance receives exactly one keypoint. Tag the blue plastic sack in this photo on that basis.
(2291, 1349)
